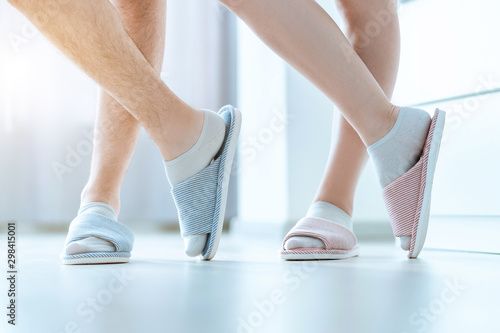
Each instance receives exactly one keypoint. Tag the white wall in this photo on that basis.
(262, 167)
(451, 52)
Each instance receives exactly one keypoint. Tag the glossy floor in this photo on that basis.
(246, 288)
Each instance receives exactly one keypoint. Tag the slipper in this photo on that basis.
(408, 198)
(340, 242)
(201, 199)
(96, 225)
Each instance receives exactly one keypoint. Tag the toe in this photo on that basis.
(405, 242)
(303, 242)
(89, 245)
(194, 244)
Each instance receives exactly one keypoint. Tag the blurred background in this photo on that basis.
(47, 107)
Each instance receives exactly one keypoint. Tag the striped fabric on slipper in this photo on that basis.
(408, 198)
(96, 225)
(340, 242)
(201, 199)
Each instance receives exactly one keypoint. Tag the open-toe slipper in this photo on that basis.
(96, 225)
(340, 242)
(408, 198)
(201, 199)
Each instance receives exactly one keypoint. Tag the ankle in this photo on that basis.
(384, 125)
(346, 206)
(182, 135)
(92, 193)
(392, 117)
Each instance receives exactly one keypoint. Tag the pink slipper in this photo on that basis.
(408, 198)
(340, 242)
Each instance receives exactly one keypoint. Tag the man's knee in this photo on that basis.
(16, 3)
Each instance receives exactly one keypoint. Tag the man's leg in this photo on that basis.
(116, 130)
(92, 35)
(348, 154)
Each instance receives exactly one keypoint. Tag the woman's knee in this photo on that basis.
(364, 19)
(357, 12)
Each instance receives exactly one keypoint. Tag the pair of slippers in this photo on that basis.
(202, 198)
(407, 200)
(201, 202)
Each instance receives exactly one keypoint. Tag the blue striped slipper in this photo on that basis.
(201, 199)
(96, 225)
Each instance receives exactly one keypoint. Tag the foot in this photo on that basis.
(92, 244)
(323, 210)
(197, 158)
(175, 141)
(400, 149)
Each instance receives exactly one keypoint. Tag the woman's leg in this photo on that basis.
(380, 53)
(348, 155)
(307, 38)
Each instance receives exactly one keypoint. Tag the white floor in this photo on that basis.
(246, 288)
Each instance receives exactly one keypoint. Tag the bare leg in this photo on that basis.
(307, 38)
(117, 130)
(113, 60)
(380, 53)
(348, 153)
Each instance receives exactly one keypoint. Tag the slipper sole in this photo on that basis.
(318, 254)
(232, 145)
(93, 261)
(423, 223)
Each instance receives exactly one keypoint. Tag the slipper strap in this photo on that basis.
(196, 200)
(96, 225)
(199, 199)
(403, 197)
(334, 235)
